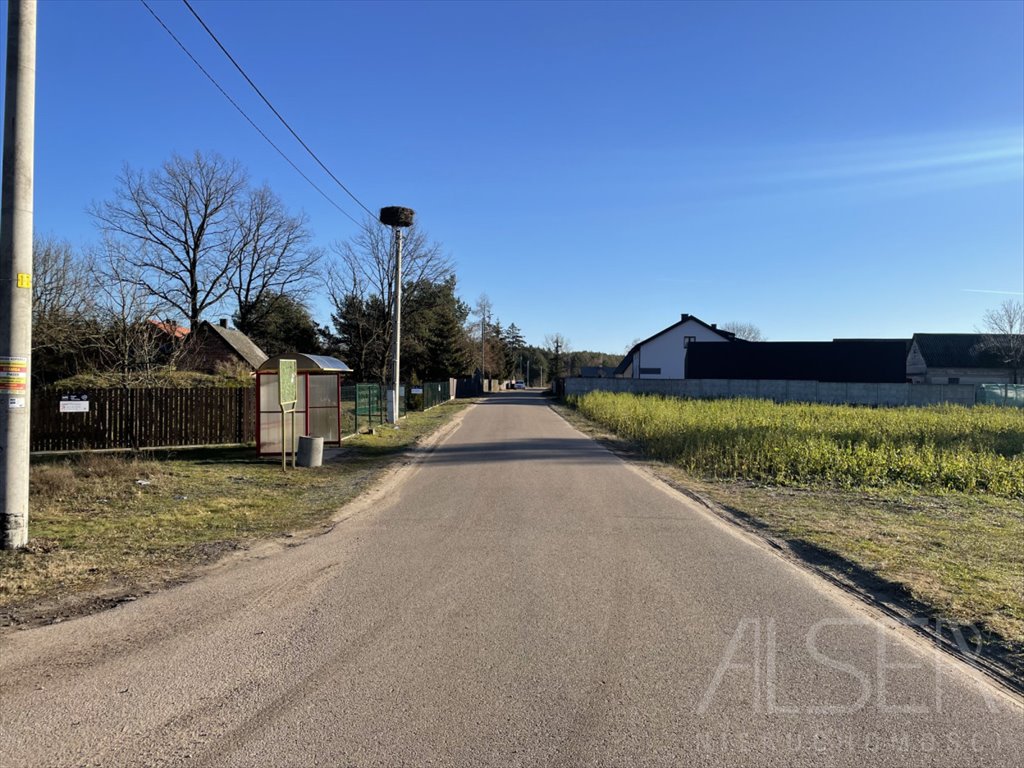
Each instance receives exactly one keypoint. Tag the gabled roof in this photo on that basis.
(242, 345)
(851, 360)
(956, 350)
(683, 319)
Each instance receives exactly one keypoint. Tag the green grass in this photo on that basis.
(117, 521)
(941, 447)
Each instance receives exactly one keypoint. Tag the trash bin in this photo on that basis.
(311, 451)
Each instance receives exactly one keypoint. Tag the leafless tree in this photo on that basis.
(745, 331)
(477, 330)
(1003, 335)
(140, 336)
(364, 270)
(180, 228)
(62, 302)
(273, 256)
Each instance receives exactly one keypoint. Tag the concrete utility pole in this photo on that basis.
(16, 271)
(396, 218)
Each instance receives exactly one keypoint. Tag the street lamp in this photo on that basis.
(397, 218)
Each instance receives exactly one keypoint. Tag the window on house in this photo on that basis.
(953, 380)
(687, 340)
(650, 371)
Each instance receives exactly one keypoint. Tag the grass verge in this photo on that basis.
(105, 527)
(946, 557)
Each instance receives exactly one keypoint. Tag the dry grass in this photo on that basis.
(958, 554)
(116, 523)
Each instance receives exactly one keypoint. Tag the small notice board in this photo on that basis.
(74, 403)
(287, 385)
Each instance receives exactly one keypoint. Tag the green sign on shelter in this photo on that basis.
(287, 382)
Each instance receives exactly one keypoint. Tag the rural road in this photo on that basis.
(521, 598)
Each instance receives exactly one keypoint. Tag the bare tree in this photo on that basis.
(483, 310)
(1003, 335)
(181, 225)
(62, 308)
(140, 338)
(364, 273)
(745, 331)
(274, 257)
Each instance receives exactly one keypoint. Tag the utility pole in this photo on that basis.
(483, 314)
(396, 218)
(16, 271)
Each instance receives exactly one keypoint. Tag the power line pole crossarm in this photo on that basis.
(16, 271)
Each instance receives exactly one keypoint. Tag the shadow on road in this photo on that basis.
(550, 449)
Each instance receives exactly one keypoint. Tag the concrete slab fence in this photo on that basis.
(784, 391)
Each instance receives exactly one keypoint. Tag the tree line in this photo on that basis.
(196, 240)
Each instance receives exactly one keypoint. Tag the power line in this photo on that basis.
(248, 119)
(278, 114)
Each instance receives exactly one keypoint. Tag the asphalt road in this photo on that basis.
(520, 598)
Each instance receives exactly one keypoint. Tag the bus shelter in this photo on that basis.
(318, 408)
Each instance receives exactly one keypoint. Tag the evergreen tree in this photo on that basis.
(279, 324)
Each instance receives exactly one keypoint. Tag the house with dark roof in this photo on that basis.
(840, 360)
(663, 355)
(959, 358)
(214, 348)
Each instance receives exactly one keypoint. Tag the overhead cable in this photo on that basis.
(274, 110)
(247, 118)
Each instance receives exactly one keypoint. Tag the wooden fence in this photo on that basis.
(143, 418)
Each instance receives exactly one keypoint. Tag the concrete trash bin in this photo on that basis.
(311, 451)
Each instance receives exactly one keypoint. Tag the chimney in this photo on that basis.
(714, 325)
(223, 322)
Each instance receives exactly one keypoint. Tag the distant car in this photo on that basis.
(520, 385)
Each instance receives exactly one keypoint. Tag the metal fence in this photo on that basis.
(1011, 395)
(436, 393)
(362, 407)
(141, 418)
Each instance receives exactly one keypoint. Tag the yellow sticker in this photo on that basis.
(24, 280)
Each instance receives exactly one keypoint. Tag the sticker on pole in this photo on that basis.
(286, 382)
(14, 381)
(24, 280)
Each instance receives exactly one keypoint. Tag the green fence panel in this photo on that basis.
(436, 393)
(1010, 395)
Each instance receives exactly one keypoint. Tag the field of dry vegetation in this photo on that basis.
(926, 500)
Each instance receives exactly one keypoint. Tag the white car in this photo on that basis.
(520, 385)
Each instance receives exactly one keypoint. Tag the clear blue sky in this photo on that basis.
(818, 169)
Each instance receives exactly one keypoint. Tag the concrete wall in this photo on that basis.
(783, 391)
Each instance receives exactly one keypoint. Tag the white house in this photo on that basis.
(663, 355)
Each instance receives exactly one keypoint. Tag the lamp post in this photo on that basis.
(397, 218)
